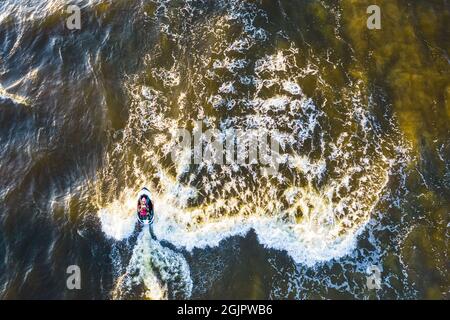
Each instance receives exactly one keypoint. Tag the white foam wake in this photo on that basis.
(314, 237)
(156, 268)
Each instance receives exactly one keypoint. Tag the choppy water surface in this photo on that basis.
(87, 118)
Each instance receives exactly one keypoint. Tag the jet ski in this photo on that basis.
(144, 210)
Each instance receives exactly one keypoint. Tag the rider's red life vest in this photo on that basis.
(143, 211)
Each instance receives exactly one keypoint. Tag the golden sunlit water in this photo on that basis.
(88, 117)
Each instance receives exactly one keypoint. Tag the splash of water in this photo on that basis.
(157, 268)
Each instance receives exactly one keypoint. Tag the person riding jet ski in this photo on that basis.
(143, 208)
(145, 212)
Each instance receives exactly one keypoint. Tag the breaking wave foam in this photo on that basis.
(331, 176)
